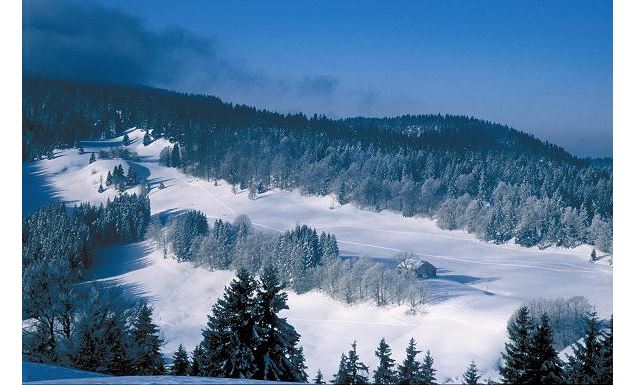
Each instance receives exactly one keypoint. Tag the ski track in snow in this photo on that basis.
(479, 284)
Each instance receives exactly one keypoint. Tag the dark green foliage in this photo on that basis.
(147, 139)
(516, 358)
(471, 376)
(409, 372)
(231, 333)
(181, 365)
(197, 361)
(187, 227)
(585, 365)
(605, 372)
(544, 367)
(245, 338)
(319, 378)
(175, 158)
(351, 369)
(385, 373)
(473, 174)
(427, 370)
(146, 343)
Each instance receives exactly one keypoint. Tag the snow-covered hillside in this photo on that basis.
(479, 285)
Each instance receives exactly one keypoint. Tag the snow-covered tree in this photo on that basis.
(409, 372)
(146, 343)
(471, 376)
(516, 358)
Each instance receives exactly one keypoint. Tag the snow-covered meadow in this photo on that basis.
(478, 287)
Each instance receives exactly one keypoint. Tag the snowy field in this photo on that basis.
(478, 288)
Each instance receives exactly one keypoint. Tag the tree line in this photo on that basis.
(305, 259)
(470, 174)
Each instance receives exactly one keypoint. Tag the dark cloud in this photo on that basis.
(89, 41)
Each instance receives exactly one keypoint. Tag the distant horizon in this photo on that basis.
(543, 68)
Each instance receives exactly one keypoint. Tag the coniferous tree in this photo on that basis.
(409, 372)
(277, 355)
(126, 140)
(92, 158)
(319, 378)
(545, 367)
(471, 376)
(181, 365)
(147, 139)
(385, 372)
(81, 151)
(584, 366)
(594, 255)
(605, 372)
(232, 332)
(427, 370)
(197, 361)
(146, 344)
(109, 178)
(175, 158)
(342, 376)
(100, 189)
(516, 359)
(355, 368)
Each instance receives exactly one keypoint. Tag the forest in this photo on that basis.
(489, 179)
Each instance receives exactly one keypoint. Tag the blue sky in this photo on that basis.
(543, 67)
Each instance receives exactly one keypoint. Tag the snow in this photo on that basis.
(478, 287)
(49, 374)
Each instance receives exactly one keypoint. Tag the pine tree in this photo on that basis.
(594, 255)
(231, 334)
(277, 356)
(355, 368)
(175, 159)
(92, 158)
(385, 372)
(471, 376)
(605, 372)
(181, 365)
(147, 359)
(584, 366)
(427, 370)
(109, 179)
(126, 140)
(545, 367)
(410, 371)
(197, 361)
(100, 189)
(81, 151)
(342, 376)
(147, 139)
(319, 378)
(516, 356)
(132, 178)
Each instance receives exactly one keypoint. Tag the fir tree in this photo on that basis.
(132, 178)
(146, 344)
(545, 367)
(584, 366)
(471, 376)
(81, 151)
(92, 158)
(342, 376)
(410, 371)
(181, 365)
(319, 378)
(100, 189)
(109, 179)
(605, 372)
(175, 159)
(594, 255)
(427, 370)
(231, 334)
(197, 361)
(385, 372)
(517, 350)
(126, 140)
(276, 356)
(147, 139)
